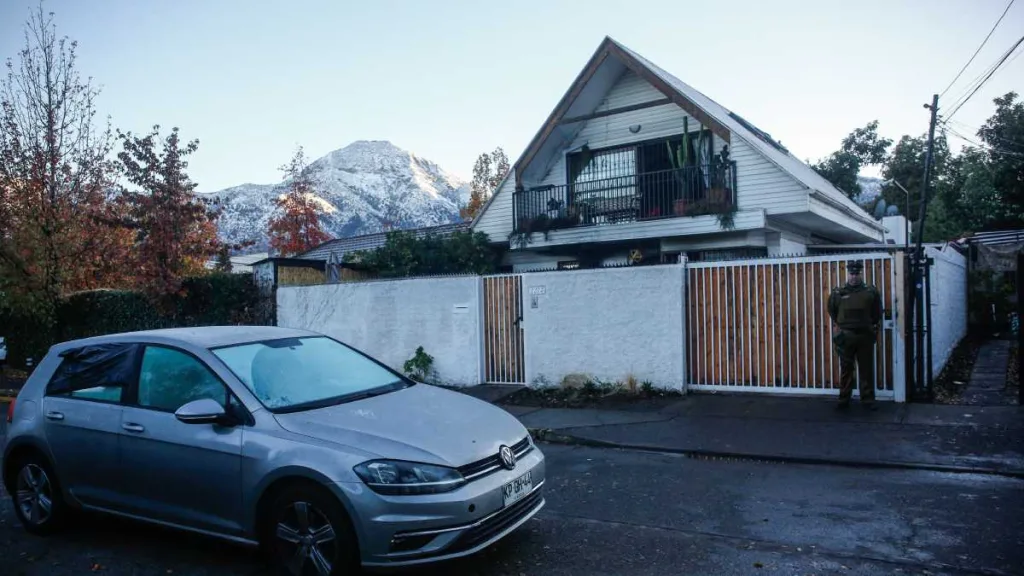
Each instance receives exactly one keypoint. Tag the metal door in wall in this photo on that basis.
(504, 357)
(763, 325)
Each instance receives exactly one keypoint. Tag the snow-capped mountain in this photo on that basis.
(870, 188)
(360, 188)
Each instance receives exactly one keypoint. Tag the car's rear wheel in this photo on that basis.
(308, 533)
(37, 498)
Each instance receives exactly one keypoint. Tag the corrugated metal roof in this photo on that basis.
(997, 237)
(341, 246)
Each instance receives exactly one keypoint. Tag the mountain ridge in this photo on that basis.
(364, 187)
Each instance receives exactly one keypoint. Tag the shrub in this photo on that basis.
(420, 367)
(405, 254)
(212, 299)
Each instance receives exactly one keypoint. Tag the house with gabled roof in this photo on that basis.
(633, 165)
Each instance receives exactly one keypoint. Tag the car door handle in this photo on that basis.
(131, 427)
(54, 415)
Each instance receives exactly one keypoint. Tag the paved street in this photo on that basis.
(619, 512)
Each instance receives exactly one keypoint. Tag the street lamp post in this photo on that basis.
(906, 213)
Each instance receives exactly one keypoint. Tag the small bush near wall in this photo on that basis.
(99, 312)
(214, 299)
(219, 299)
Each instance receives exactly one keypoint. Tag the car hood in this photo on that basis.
(420, 423)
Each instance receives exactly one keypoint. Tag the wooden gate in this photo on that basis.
(763, 325)
(504, 358)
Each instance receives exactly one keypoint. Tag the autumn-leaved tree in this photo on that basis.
(56, 234)
(488, 172)
(175, 229)
(295, 226)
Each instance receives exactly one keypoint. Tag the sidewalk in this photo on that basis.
(987, 385)
(802, 430)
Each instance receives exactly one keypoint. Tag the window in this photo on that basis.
(293, 373)
(170, 378)
(100, 372)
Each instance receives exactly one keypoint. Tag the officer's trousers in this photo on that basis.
(856, 349)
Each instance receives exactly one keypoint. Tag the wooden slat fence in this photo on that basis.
(504, 357)
(764, 324)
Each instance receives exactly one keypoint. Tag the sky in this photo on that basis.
(450, 79)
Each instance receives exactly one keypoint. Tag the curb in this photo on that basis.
(555, 437)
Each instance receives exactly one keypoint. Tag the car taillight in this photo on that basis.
(10, 411)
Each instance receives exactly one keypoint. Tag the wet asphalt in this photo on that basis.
(620, 512)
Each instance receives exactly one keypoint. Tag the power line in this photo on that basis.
(948, 130)
(973, 56)
(986, 79)
(974, 130)
(979, 78)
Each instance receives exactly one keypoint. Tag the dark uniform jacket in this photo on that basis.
(855, 308)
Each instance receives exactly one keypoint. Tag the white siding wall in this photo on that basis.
(606, 323)
(762, 184)
(390, 319)
(948, 283)
(656, 122)
(496, 221)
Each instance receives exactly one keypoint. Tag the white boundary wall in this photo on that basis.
(607, 324)
(390, 319)
(948, 282)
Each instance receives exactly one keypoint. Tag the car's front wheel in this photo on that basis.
(309, 533)
(37, 498)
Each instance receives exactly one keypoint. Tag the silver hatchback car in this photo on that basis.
(268, 436)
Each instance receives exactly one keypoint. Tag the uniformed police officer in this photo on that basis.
(856, 310)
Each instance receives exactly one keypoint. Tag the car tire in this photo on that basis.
(37, 497)
(307, 531)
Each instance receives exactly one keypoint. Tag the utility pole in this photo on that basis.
(917, 300)
(928, 161)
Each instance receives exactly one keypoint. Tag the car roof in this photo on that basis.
(202, 337)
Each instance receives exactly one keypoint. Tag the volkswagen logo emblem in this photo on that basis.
(507, 457)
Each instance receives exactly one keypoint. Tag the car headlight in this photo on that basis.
(396, 477)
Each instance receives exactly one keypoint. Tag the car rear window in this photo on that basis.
(100, 372)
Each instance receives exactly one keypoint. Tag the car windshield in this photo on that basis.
(300, 373)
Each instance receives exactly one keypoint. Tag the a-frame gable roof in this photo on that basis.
(598, 76)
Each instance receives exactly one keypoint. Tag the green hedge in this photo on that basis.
(211, 300)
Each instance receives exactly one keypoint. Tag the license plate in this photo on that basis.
(516, 489)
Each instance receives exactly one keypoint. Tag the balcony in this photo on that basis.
(688, 191)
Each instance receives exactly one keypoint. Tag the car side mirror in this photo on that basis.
(202, 411)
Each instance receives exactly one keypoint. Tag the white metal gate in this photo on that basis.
(763, 325)
(504, 354)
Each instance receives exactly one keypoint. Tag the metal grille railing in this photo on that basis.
(689, 191)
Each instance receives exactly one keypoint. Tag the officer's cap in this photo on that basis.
(855, 266)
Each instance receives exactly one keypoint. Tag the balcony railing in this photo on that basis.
(689, 191)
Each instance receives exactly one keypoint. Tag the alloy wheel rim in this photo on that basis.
(34, 494)
(306, 540)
